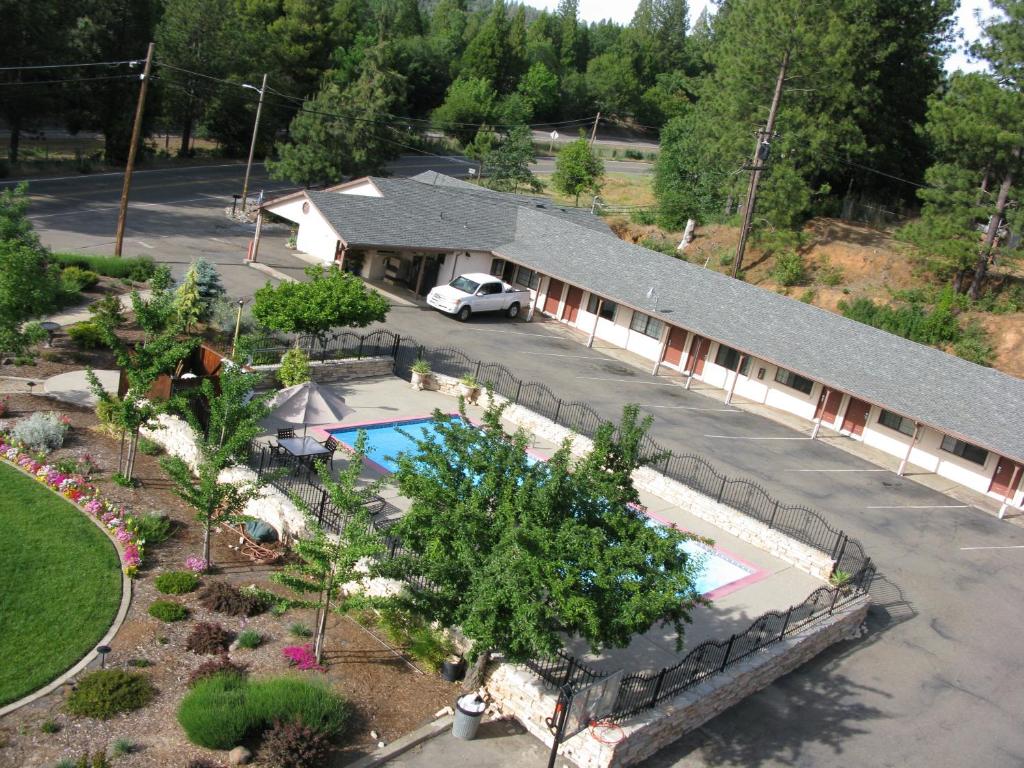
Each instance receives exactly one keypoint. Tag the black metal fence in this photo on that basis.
(638, 691)
(642, 691)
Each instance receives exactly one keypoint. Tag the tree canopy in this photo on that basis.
(522, 554)
(330, 299)
(577, 169)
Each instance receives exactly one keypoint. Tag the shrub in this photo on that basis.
(298, 629)
(139, 269)
(294, 367)
(225, 598)
(108, 311)
(149, 448)
(214, 713)
(176, 582)
(417, 637)
(151, 528)
(294, 745)
(161, 279)
(974, 345)
(208, 638)
(220, 665)
(41, 432)
(789, 268)
(249, 639)
(122, 747)
(262, 599)
(643, 216)
(107, 692)
(86, 335)
(140, 663)
(828, 274)
(208, 280)
(807, 297)
(49, 726)
(167, 610)
(106, 411)
(75, 279)
(293, 699)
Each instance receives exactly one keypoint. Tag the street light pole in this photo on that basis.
(255, 133)
(238, 327)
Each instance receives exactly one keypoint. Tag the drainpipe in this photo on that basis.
(661, 351)
(825, 393)
(910, 448)
(691, 360)
(536, 298)
(1010, 490)
(597, 317)
(735, 378)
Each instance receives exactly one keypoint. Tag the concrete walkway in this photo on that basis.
(80, 313)
(498, 744)
(73, 387)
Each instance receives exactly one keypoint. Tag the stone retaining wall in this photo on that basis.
(331, 371)
(520, 692)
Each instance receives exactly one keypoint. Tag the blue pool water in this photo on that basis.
(384, 442)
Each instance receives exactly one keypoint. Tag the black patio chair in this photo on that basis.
(331, 444)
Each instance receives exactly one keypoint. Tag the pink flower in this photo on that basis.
(123, 535)
(302, 657)
(94, 506)
(196, 564)
(131, 557)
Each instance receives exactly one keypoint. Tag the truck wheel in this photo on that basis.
(463, 314)
(513, 311)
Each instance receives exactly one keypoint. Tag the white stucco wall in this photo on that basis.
(315, 235)
(363, 189)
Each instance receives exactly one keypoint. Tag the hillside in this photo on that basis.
(843, 261)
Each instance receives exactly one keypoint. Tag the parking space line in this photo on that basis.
(510, 333)
(835, 470)
(734, 437)
(1011, 546)
(691, 408)
(629, 381)
(926, 506)
(144, 244)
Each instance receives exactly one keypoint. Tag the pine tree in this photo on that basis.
(187, 301)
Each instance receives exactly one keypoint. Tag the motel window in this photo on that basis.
(897, 422)
(647, 325)
(729, 358)
(607, 307)
(497, 267)
(794, 381)
(964, 450)
(527, 277)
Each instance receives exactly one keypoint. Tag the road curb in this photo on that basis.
(404, 744)
(271, 271)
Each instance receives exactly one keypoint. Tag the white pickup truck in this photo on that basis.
(477, 292)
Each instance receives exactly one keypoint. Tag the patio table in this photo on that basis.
(303, 448)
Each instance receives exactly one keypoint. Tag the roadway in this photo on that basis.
(932, 683)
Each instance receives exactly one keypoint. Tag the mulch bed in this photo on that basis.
(390, 696)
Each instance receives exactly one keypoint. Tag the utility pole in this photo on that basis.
(764, 137)
(593, 131)
(132, 150)
(252, 146)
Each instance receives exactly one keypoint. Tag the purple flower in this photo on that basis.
(123, 535)
(196, 564)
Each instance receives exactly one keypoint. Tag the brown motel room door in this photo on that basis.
(674, 348)
(572, 304)
(554, 296)
(856, 416)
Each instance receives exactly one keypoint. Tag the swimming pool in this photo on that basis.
(720, 572)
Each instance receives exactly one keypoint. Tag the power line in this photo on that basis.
(69, 80)
(68, 66)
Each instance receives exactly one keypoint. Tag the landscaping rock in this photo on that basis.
(239, 756)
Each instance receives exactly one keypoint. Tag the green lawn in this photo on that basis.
(60, 585)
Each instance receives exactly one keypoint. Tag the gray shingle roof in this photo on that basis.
(980, 405)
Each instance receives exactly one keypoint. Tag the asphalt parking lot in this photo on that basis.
(935, 682)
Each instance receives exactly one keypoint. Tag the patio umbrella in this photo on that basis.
(306, 404)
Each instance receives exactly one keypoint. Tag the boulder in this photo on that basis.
(239, 756)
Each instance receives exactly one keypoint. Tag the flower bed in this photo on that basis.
(78, 489)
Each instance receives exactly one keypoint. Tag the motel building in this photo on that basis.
(930, 410)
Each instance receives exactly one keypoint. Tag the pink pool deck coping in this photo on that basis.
(756, 573)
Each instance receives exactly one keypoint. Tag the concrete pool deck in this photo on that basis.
(776, 584)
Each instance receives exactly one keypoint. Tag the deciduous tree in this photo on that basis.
(577, 169)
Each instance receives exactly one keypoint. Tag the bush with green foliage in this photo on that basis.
(223, 710)
(176, 582)
(122, 747)
(294, 368)
(208, 638)
(829, 274)
(107, 312)
(789, 269)
(86, 335)
(139, 269)
(40, 432)
(151, 528)
(168, 610)
(298, 629)
(974, 345)
(75, 279)
(416, 637)
(208, 280)
(108, 692)
(294, 745)
(249, 639)
(911, 321)
(149, 448)
(222, 664)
